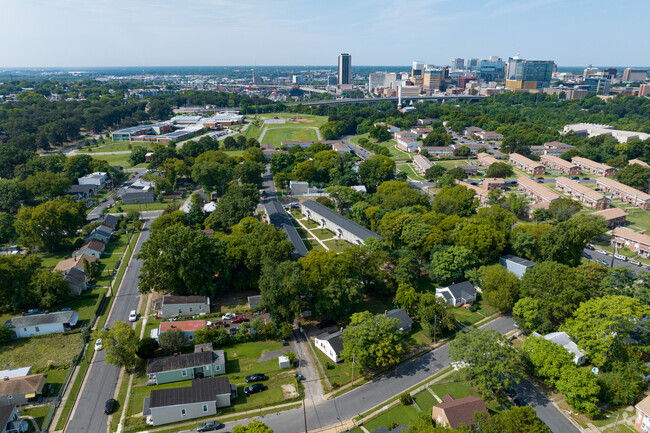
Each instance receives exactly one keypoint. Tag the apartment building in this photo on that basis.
(493, 183)
(526, 164)
(421, 163)
(473, 148)
(407, 141)
(537, 192)
(486, 160)
(481, 193)
(625, 193)
(488, 136)
(564, 167)
(593, 166)
(637, 242)
(614, 216)
(583, 194)
(438, 150)
(638, 161)
(556, 148)
(421, 132)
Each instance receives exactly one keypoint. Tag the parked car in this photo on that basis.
(99, 344)
(227, 316)
(209, 426)
(635, 262)
(133, 316)
(585, 178)
(238, 319)
(218, 323)
(253, 389)
(540, 178)
(586, 256)
(109, 407)
(602, 262)
(66, 309)
(33, 311)
(599, 251)
(590, 247)
(620, 257)
(326, 323)
(575, 177)
(255, 378)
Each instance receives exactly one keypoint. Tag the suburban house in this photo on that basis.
(179, 306)
(204, 362)
(438, 150)
(101, 233)
(427, 121)
(111, 221)
(421, 163)
(93, 248)
(199, 400)
(9, 419)
(637, 242)
(98, 178)
(138, 196)
(330, 344)
(65, 265)
(563, 339)
(625, 193)
(341, 226)
(516, 265)
(42, 324)
(537, 192)
(593, 166)
(458, 294)
(77, 279)
(405, 323)
(614, 216)
(486, 160)
(562, 166)
(455, 413)
(187, 327)
(21, 390)
(581, 193)
(526, 164)
(642, 422)
(83, 191)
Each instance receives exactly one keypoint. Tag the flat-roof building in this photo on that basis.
(625, 193)
(526, 164)
(594, 130)
(536, 191)
(562, 166)
(438, 150)
(583, 194)
(593, 166)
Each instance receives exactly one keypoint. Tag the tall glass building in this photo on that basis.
(345, 69)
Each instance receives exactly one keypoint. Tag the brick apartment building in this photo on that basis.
(539, 193)
(593, 166)
(637, 242)
(486, 160)
(564, 167)
(614, 216)
(625, 193)
(583, 194)
(526, 164)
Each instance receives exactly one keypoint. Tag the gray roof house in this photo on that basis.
(112, 221)
(516, 265)
(93, 248)
(405, 322)
(137, 196)
(83, 191)
(340, 225)
(9, 419)
(330, 344)
(204, 362)
(563, 339)
(42, 324)
(101, 233)
(180, 306)
(77, 279)
(458, 294)
(199, 400)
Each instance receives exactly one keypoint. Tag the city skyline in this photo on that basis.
(212, 32)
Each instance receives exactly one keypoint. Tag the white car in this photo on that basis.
(133, 316)
(602, 252)
(98, 345)
(228, 316)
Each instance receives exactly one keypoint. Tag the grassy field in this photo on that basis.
(338, 374)
(466, 317)
(399, 414)
(38, 352)
(38, 413)
(276, 136)
(410, 172)
(312, 244)
(144, 206)
(337, 245)
(299, 118)
(322, 234)
(114, 146)
(121, 159)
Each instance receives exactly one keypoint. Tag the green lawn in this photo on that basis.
(114, 146)
(425, 400)
(337, 245)
(338, 374)
(143, 207)
(466, 317)
(300, 119)
(55, 378)
(410, 172)
(38, 413)
(323, 234)
(276, 136)
(38, 352)
(310, 224)
(416, 337)
(639, 218)
(312, 244)
(121, 159)
(399, 414)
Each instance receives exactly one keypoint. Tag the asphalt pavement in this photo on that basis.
(101, 378)
(616, 262)
(529, 393)
(96, 213)
(351, 404)
(361, 153)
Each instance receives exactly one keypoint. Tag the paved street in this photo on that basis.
(529, 394)
(608, 258)
(371, 394)
(357, 150)
(96, 213)
(101, 378)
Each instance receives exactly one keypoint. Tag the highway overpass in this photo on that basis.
(374, 101)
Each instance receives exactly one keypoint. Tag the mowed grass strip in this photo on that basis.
(276, 136)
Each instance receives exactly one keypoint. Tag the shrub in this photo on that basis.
(329, 366)
(405, 399)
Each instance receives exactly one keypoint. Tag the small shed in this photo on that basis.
(284, 362)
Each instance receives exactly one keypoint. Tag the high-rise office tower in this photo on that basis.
(458, 64)
(633, 74)
(529, 74)
(471, 64)
(345, 69)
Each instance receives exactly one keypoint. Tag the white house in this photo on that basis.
(41, 324)
(330, 344)
(563, 339)
(98, 178)
(458, 294)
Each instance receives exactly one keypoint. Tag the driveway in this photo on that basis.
(530, 394)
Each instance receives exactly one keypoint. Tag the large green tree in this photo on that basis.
(255, 426)
(238, 202)
(565, 242)
(120, 345)
(451, 264)
(634, 175)
(518, 419)
(50, 225)
(46, 185)
(280, 286)
(455, 200)
(500, 288)
(375, 170)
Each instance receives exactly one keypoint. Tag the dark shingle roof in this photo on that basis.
(111, 220)
(518, 260)
(133, 194)
(404, 320)
(340, 220)
(175, 300)
(188, 360)
(279, 218)
(5, 414)
(461, 411)
(462, 290)
(200, 391)
(335, 340)
(75, 277)
(104, 229)
(94, 245)
(44, 319)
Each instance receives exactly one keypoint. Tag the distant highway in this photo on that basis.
(349, 101)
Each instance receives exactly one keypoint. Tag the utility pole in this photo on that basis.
(353, 356)
(304, 410)
(616, 422)
(435, 322)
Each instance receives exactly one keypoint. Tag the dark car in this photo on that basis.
(586, 256)
(109, 407)
(254, 388)
(575, 177)
(33, 311)
(326, 323)
(585, 178)
(238, 319)
(540, 178)
(208, 426)
(590, 247)
(255, 378)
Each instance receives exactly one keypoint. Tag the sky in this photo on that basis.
(68, 33)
